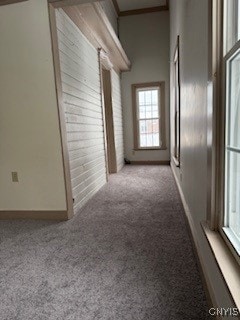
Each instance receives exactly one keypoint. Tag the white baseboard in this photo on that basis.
(34, 215)
(208, 285)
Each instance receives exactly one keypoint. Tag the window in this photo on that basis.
(232, 150)
(148, 113)
(223, 95)
(176, 82)
(231, 110)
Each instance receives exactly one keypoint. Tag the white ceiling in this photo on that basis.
(139, 4)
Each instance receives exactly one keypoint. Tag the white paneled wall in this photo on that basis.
(117, 119)
(111, 13)
(83, 110)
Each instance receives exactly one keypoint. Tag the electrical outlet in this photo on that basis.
(14, 177)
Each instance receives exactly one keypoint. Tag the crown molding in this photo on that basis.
(66, 3)
(143, 11)
(116, 6)
(94, 24)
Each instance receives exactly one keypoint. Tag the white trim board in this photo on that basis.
(226, 262)
(209, 287)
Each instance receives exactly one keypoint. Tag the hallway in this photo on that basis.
(127, 255)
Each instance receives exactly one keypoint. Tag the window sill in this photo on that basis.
(228, 265)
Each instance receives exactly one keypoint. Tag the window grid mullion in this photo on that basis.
(142, 119)
(232, 149)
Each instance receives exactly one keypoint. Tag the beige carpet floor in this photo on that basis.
(126, 255)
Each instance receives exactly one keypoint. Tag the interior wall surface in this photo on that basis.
(189, 20)
(145, 39)
(30, 142)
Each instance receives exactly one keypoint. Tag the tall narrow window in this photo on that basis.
(148, 110)
(231, 221)
(176, 151)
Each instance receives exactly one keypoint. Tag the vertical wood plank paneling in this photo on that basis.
(118, 119)
(81, 88)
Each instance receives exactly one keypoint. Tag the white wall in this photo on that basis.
(80, 77)
(145, 39)
(29, 129)
(189, 20)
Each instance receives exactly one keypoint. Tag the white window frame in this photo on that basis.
(226, 55)
(161, 104)
(224, 221)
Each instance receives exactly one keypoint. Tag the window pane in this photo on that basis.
(155, 126)
(233, 102)
(148, 116)
(155, 111)
(142, 127)
(148, 95)
(142, 112)
(149, 133)
(148, 104)
(232, 158)
(232, 25)
(148, 112)
(232, 193)
(143, 140)
(155, 97)
(141, 97)
(156, 133)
